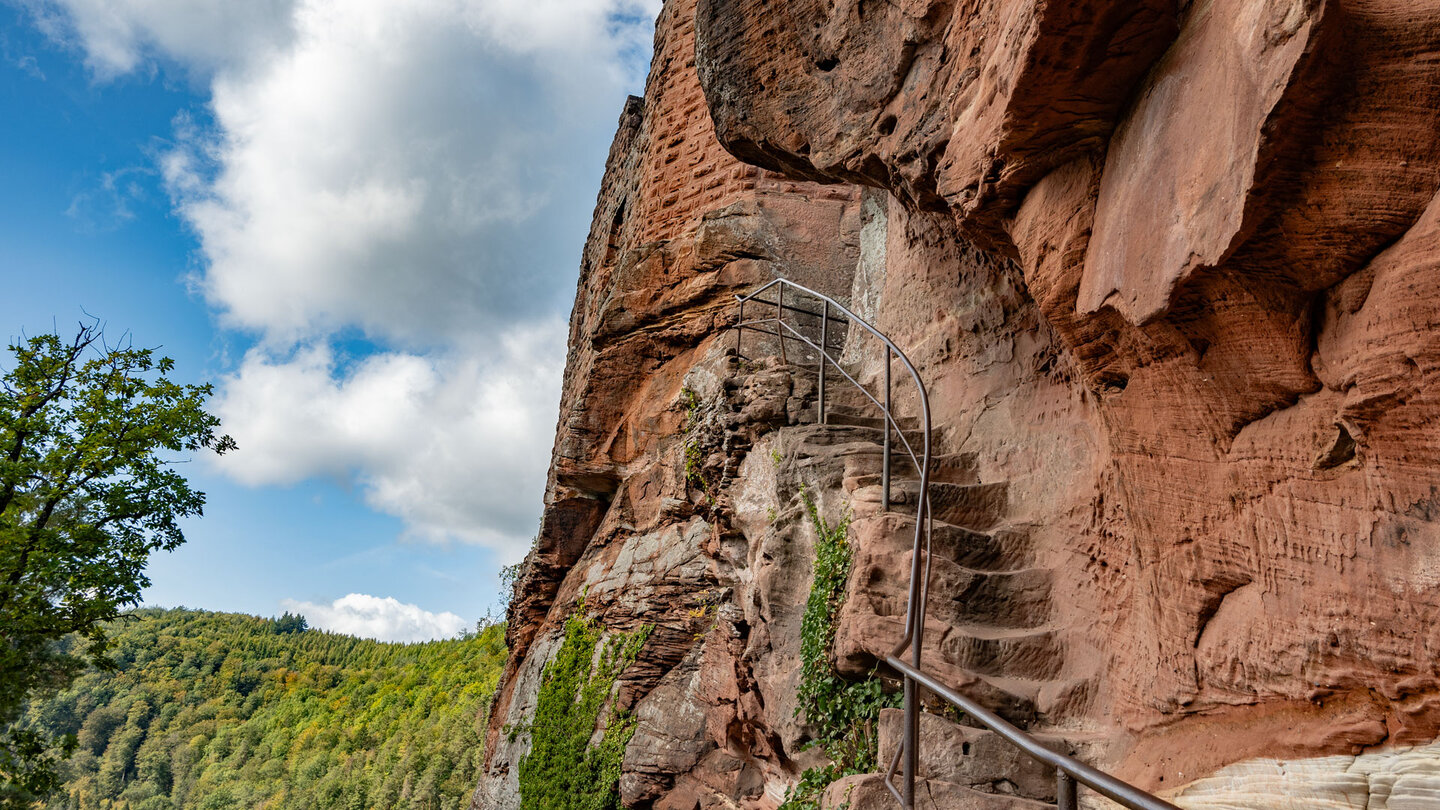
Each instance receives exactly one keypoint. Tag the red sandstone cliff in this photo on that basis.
(680, 227)
(1172, 275)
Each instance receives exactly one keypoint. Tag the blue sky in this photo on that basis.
(361, 221)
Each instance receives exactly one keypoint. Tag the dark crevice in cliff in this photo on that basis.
(1216, 592)
(1341, 452)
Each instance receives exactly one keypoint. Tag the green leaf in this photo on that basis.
(88, 491)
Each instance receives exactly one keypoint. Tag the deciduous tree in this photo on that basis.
(90, 435)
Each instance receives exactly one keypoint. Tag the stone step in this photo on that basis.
(1001, 549)
(1003, 599)
(953, 468)
(1013, 599)
(868, 792)
(841, 395)
(829, 435)
(972, 506)
(876, 434)
(873, 419)
(863, 641)
(970, 652)
(973, 757)
(1052, 700)
(1004, 652)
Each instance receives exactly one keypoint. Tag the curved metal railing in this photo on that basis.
(1068, 771)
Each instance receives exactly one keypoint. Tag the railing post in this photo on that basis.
(911, 742)
(1065, 794)
(885, 459)
(920, 595)
(780, 319)
(824, 349)
(739, 330)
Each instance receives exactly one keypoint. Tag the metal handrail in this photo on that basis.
(921, 462)
(1068, 771)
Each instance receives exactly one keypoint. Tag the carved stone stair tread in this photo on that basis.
(868, 418)
(841, 394)
(974, 757)
(986, 650)
(862, 438)
(990, 632)
(1015, 599)
(1020, 700)
(1051, 698)
(1019, 667)
(973, 506)
(756, 365)
(1003, 599)
(1000, 549)
(876, 432)
(1016, 686)
(1014, 699)
(951, 468)
(868, 792)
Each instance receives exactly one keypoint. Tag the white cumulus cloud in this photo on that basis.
(419, 170)
(118, 36)
(386, 619)
(457, 445)
(419, 174)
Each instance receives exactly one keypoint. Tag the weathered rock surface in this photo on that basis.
(680, 226)
(868, 792)
(1248, 74)
(1148, 349)
(947, 105)
(1401, 779)
(1171, 274)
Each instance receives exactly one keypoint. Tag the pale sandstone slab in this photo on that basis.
(1403, 779)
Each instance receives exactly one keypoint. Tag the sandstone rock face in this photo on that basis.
(1226, 101)
(1202, 329)
(680, 226)
(1171, 274)
(948, 105)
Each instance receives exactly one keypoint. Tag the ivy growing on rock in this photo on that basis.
(700, 437)
(694, 475)
(845, 714)
(563, 770)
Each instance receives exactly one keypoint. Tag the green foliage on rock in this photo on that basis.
(563, 771)
(89, 439)
(844, 714)
(212, 710)
(699, 439)
(819, 684)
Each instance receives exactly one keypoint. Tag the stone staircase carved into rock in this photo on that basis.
(996, 655)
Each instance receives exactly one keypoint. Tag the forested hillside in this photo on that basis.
(215, 710)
